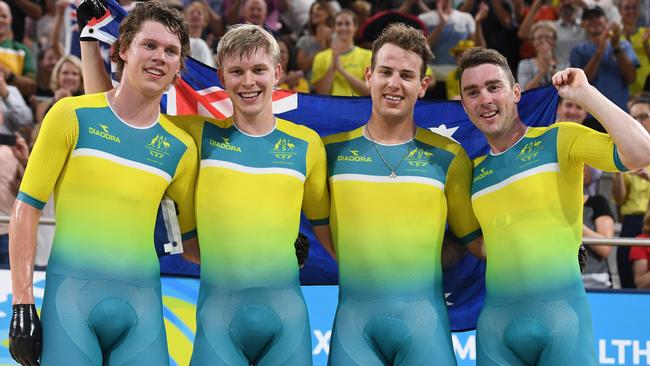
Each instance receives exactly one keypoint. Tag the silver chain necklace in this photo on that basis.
(393, 171)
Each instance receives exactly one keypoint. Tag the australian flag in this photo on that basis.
(199, 91)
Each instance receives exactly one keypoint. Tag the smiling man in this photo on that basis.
(527, 195)
(257, 173)
(109, 158)
(393, 187)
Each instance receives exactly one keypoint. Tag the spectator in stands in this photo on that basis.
(538, 11)
(318, 37)
(16, 60)
(537, 71)
(46, 61)
(597, 222)
(13, 160)
(66, 81)
(631, 191)
(499, 27)
(568, 29)
(290, 79)
(16, 115)
(608, 6)
(197, 17)
(266, 15)
(639, 37)
(451, 83)
(340, 69)
(640, 257)
(21, 9)
(609, 62)
(447, 26)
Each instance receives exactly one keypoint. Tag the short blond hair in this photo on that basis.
(242, 40)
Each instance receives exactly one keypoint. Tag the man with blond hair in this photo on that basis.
(257, 173)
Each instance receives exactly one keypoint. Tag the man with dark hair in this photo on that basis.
(109, 158)
(393, 186)
(609, 62)
(527, 196)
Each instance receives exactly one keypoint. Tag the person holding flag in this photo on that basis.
(109, 158)
(257, 172)
(393, 187)
(527, 195)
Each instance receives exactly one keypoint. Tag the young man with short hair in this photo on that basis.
(109, 158)
(393, 188)
(527, 195)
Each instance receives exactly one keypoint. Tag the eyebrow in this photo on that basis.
(487, 83)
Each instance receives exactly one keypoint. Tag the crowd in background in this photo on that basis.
(325, 49)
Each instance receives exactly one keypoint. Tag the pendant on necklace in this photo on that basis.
(392, 174)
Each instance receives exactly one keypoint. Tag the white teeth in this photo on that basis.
(393, 98)
(489, 114)
(154, 72)
(249, 95)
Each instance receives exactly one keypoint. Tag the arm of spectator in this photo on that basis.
(625, 65)
(215, 22)
(26, 84)
(641, 273)
(604, 229)
(21, 150)
(57, 25)
(30, 8)
(96, 79)
(631, 139)
(592, 66)
(19, 112)
(357, 84)
(518, 10)
(191, 250)
(22, 248)
(323, 72)
(479, 39)
(619, 188)
(503, 15)
(437, 30)
(324, 236)
(525, 26)
(232, 14)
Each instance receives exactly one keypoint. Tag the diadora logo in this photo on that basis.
(530, 151)
(103, 133)
(284, 149)
(483, 173)
(418, 157)
(158, 147)
(354, 156)
(224, 144)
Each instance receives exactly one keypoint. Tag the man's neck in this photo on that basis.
(258, 125)
(134, 108)
(501, 143)
(390, 132)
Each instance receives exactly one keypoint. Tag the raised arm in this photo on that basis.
(631, 139)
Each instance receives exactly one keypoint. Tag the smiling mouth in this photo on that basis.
(489, 114)
(249, 95)
(154, 72)
(393, 98)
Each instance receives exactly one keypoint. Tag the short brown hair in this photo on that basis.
(245, 39)
(479, 56)
(406, 38)
(154, 11)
